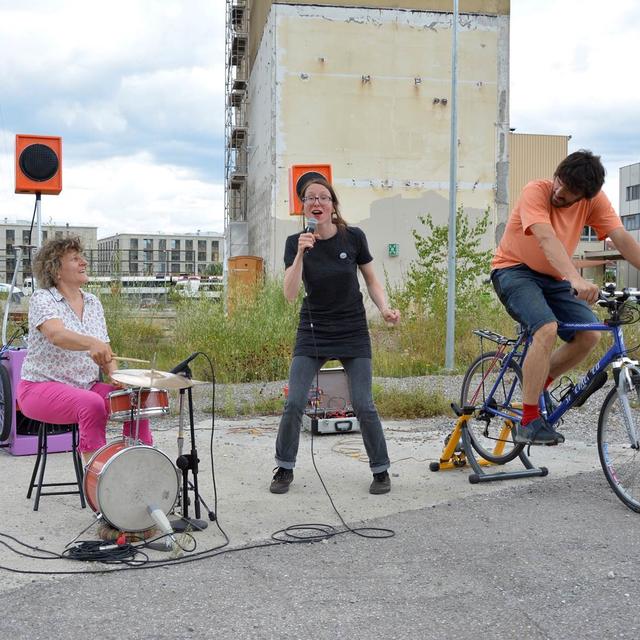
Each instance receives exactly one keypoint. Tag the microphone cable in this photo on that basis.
(131, 557)
(316, 532)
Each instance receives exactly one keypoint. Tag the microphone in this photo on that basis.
(312, 223)
(169, 543)
(179, 368)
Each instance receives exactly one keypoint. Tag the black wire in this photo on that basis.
(33, 218)
(89, 550)
(213, 514)
(125, 559)
(100, 551)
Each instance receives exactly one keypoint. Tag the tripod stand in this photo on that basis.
(189, 462)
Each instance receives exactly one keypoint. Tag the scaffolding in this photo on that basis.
(236, 130)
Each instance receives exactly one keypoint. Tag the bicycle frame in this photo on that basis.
(615, 355)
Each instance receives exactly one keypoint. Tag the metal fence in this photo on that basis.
(122, 263)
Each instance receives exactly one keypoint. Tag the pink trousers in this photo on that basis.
(59, 403)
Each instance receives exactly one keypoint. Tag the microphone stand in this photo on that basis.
(189, 462)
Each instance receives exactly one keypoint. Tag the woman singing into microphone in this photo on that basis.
(333, 326)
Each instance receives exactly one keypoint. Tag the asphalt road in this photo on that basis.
(550, 558)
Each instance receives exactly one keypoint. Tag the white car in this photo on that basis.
(17, 295)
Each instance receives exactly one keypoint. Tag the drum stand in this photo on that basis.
(189, 462)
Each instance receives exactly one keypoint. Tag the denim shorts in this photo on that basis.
(535, 299)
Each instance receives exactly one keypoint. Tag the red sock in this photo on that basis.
(529, 413)
(548, 382)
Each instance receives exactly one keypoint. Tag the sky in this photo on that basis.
(136, 90)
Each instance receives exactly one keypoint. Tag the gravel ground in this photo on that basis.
(579, 424)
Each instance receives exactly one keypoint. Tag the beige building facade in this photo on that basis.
(533, 157)
(153, 254)
(367, 90)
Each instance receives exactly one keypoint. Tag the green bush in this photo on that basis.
(133, 335)
(252, 342)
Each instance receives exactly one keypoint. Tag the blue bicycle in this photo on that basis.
(492, 395)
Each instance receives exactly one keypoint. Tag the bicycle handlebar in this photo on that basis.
(610, 294)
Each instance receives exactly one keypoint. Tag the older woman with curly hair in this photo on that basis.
(68, 345)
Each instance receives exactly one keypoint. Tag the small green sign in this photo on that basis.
(394, 250)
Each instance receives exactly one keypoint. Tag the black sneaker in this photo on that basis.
(281, 480)
(537, 432)
(381, 483)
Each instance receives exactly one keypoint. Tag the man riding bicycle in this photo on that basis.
(536, 280)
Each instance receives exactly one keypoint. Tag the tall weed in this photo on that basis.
(252, 342)
(133, 335)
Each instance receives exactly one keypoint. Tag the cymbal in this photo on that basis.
(150, 378)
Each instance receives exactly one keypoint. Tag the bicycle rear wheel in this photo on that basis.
(6, 401)
(620, 461)
(491, 436)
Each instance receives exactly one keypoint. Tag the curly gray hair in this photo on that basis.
(48, 260)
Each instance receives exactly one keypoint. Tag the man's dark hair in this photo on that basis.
(582, 172)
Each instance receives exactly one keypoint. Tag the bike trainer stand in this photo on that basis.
(454, 456)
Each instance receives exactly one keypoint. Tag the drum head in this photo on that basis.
(133, 479)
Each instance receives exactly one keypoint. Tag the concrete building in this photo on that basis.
(629, 185)
(19, 233)
(533, 157)
(364, 86)
(155, 253)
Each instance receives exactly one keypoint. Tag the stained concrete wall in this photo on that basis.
(260, 10)
(387, 138)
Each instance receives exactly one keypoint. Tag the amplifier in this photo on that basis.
(320, 426)
(329, 407)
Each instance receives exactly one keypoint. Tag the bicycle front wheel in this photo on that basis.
(620, 459)
(491, 435)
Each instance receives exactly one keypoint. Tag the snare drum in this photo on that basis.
(121, 482)
(131, 403)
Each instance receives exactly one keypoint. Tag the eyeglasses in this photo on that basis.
(320, 199)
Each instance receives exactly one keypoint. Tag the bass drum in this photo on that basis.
(121, 482)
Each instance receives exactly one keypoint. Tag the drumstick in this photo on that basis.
(129, 359)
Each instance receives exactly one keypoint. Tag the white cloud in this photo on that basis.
(136, 90)
(126, 194)
(570, 75)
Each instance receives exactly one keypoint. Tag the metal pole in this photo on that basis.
(453, 164)
(38, 221)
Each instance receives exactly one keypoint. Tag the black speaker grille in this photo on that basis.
(304, 178)
(39, 162)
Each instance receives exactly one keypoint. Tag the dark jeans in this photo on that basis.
(301, 374)
(535, 299)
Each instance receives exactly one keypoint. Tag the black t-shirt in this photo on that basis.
(333, 301)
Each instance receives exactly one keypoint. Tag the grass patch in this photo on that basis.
(135, 336)
(255, 342)
(391, 403)
(227, 407)
(417, 403)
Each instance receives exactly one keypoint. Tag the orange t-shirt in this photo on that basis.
(520, 246)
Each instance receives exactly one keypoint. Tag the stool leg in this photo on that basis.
(77, 464)
(43, 426)
(37, 462)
